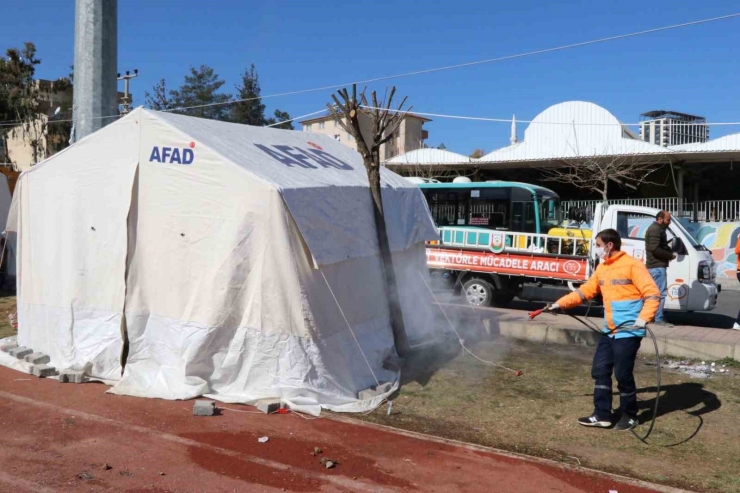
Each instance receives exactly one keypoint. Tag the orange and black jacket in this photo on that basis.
(737, 253)
(628, 290)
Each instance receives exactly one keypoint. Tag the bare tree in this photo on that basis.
(595, 173)
(383, 123)
(478, 153)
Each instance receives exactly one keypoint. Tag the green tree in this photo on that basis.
(282, 117)
(250, 110)
(159, 99)
(200, 93)
(201, 90)
(25, 103)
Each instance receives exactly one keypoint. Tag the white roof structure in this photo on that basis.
(429, 156)
(229, 254)
(728, 143)
(572, 130)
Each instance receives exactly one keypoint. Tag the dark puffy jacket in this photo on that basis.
(656, 247)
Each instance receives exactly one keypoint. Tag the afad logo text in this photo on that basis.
(173, 155)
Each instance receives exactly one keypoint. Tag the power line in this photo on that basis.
(455, 66)
(294, 119)
(509, 120)
(475, 118)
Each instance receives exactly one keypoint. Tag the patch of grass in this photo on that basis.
(729, 362)
(695, 445)
(7, 305)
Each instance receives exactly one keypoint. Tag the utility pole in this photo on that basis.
(126, 94)
(96, 58)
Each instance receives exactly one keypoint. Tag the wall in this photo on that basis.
(409, 134)
(720, 238)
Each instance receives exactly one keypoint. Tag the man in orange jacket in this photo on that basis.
(631, 299)
(737, 254)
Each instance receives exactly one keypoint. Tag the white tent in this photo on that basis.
(218, 250)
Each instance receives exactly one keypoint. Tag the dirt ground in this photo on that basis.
(696, 443)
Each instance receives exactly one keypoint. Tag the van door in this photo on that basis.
(632, 227)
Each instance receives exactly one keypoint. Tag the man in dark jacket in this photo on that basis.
(659, 254)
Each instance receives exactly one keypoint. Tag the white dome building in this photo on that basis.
(572, 130)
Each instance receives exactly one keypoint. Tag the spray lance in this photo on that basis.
(624, 327)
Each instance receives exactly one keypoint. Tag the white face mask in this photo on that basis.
(600, 252)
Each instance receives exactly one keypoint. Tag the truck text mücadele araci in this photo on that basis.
(500, 240)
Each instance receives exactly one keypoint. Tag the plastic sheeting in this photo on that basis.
(204, 240)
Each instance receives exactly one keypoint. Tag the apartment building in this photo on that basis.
(409, 136)
(671, 128)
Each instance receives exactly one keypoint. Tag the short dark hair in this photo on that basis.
(661, 215)
(610, 236)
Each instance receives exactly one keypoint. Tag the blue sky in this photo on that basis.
(299, 45)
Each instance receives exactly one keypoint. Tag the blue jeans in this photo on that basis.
(617, 356)
(661, 279)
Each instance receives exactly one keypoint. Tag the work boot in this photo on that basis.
(626, 423)
(736, 326)
(594, 422)
(663, 324)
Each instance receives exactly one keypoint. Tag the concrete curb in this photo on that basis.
(527, 458)
(559, 334)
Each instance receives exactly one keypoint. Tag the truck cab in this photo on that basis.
(691, 276)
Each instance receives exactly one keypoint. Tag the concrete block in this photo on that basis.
(698, 349)
(572, 336)
(366, 394)
(8, 347)
(42, 371)
(20, 352)
(71, 376)
(383, 388)
(37, 358)
(204, 408)
(268, 406)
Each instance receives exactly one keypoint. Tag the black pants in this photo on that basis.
(617, 356)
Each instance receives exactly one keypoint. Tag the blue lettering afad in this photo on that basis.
(172, 155)
(295, 156)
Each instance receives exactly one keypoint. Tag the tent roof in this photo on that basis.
(288, 159)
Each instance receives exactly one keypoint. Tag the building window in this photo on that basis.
(307, 128)
(321, 125)
(350, 138)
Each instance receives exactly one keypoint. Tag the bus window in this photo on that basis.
(447, 208)
(493, 214)
(517, 216)
(550, 213)
(530, 225)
